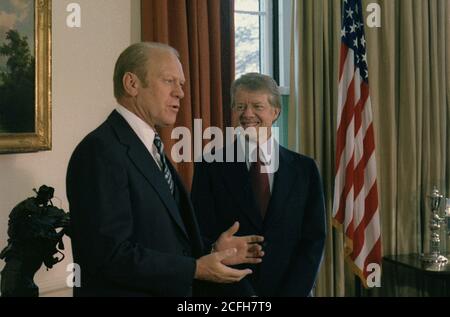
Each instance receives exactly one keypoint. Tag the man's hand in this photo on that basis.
(248, 249)
(211, 268)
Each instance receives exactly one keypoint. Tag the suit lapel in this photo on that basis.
(283, 181)
(236, 178)
(145, 163)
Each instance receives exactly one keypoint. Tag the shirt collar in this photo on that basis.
(266, 149)
(145, 133)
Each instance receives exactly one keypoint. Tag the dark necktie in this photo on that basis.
(165, 168)
(260, 185)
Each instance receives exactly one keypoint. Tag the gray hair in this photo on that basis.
(257, 82)
(134, 59)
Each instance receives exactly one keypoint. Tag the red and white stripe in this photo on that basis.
(355, 205)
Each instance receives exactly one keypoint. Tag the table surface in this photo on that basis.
(413, 261)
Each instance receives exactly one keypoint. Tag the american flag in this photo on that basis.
(355, 206)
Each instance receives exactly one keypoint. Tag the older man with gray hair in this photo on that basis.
(134, 232)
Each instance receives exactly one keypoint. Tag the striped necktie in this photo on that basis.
(165, 168)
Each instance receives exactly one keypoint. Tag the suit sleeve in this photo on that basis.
(203, 202)
(301, 277)
(204, 205)
(102, 223)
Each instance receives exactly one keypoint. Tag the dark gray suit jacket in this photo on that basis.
(130, 236)
(294, 226)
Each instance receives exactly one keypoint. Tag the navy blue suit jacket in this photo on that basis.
(294, 225)
(129, 235)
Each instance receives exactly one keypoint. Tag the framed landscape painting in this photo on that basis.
(25, 75)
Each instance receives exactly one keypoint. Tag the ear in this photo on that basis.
(131, 84)
(277, 112)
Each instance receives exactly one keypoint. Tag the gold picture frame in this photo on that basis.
(41, 138)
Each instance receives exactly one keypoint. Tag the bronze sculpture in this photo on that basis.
(33, 239)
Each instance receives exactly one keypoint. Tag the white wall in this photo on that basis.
(83, 62)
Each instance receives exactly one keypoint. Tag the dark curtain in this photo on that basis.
(203, 33)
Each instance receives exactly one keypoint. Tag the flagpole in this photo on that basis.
(358, 291)
(355, 203)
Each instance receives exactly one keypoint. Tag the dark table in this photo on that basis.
(407, 275)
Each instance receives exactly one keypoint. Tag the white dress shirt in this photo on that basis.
(144, 132)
